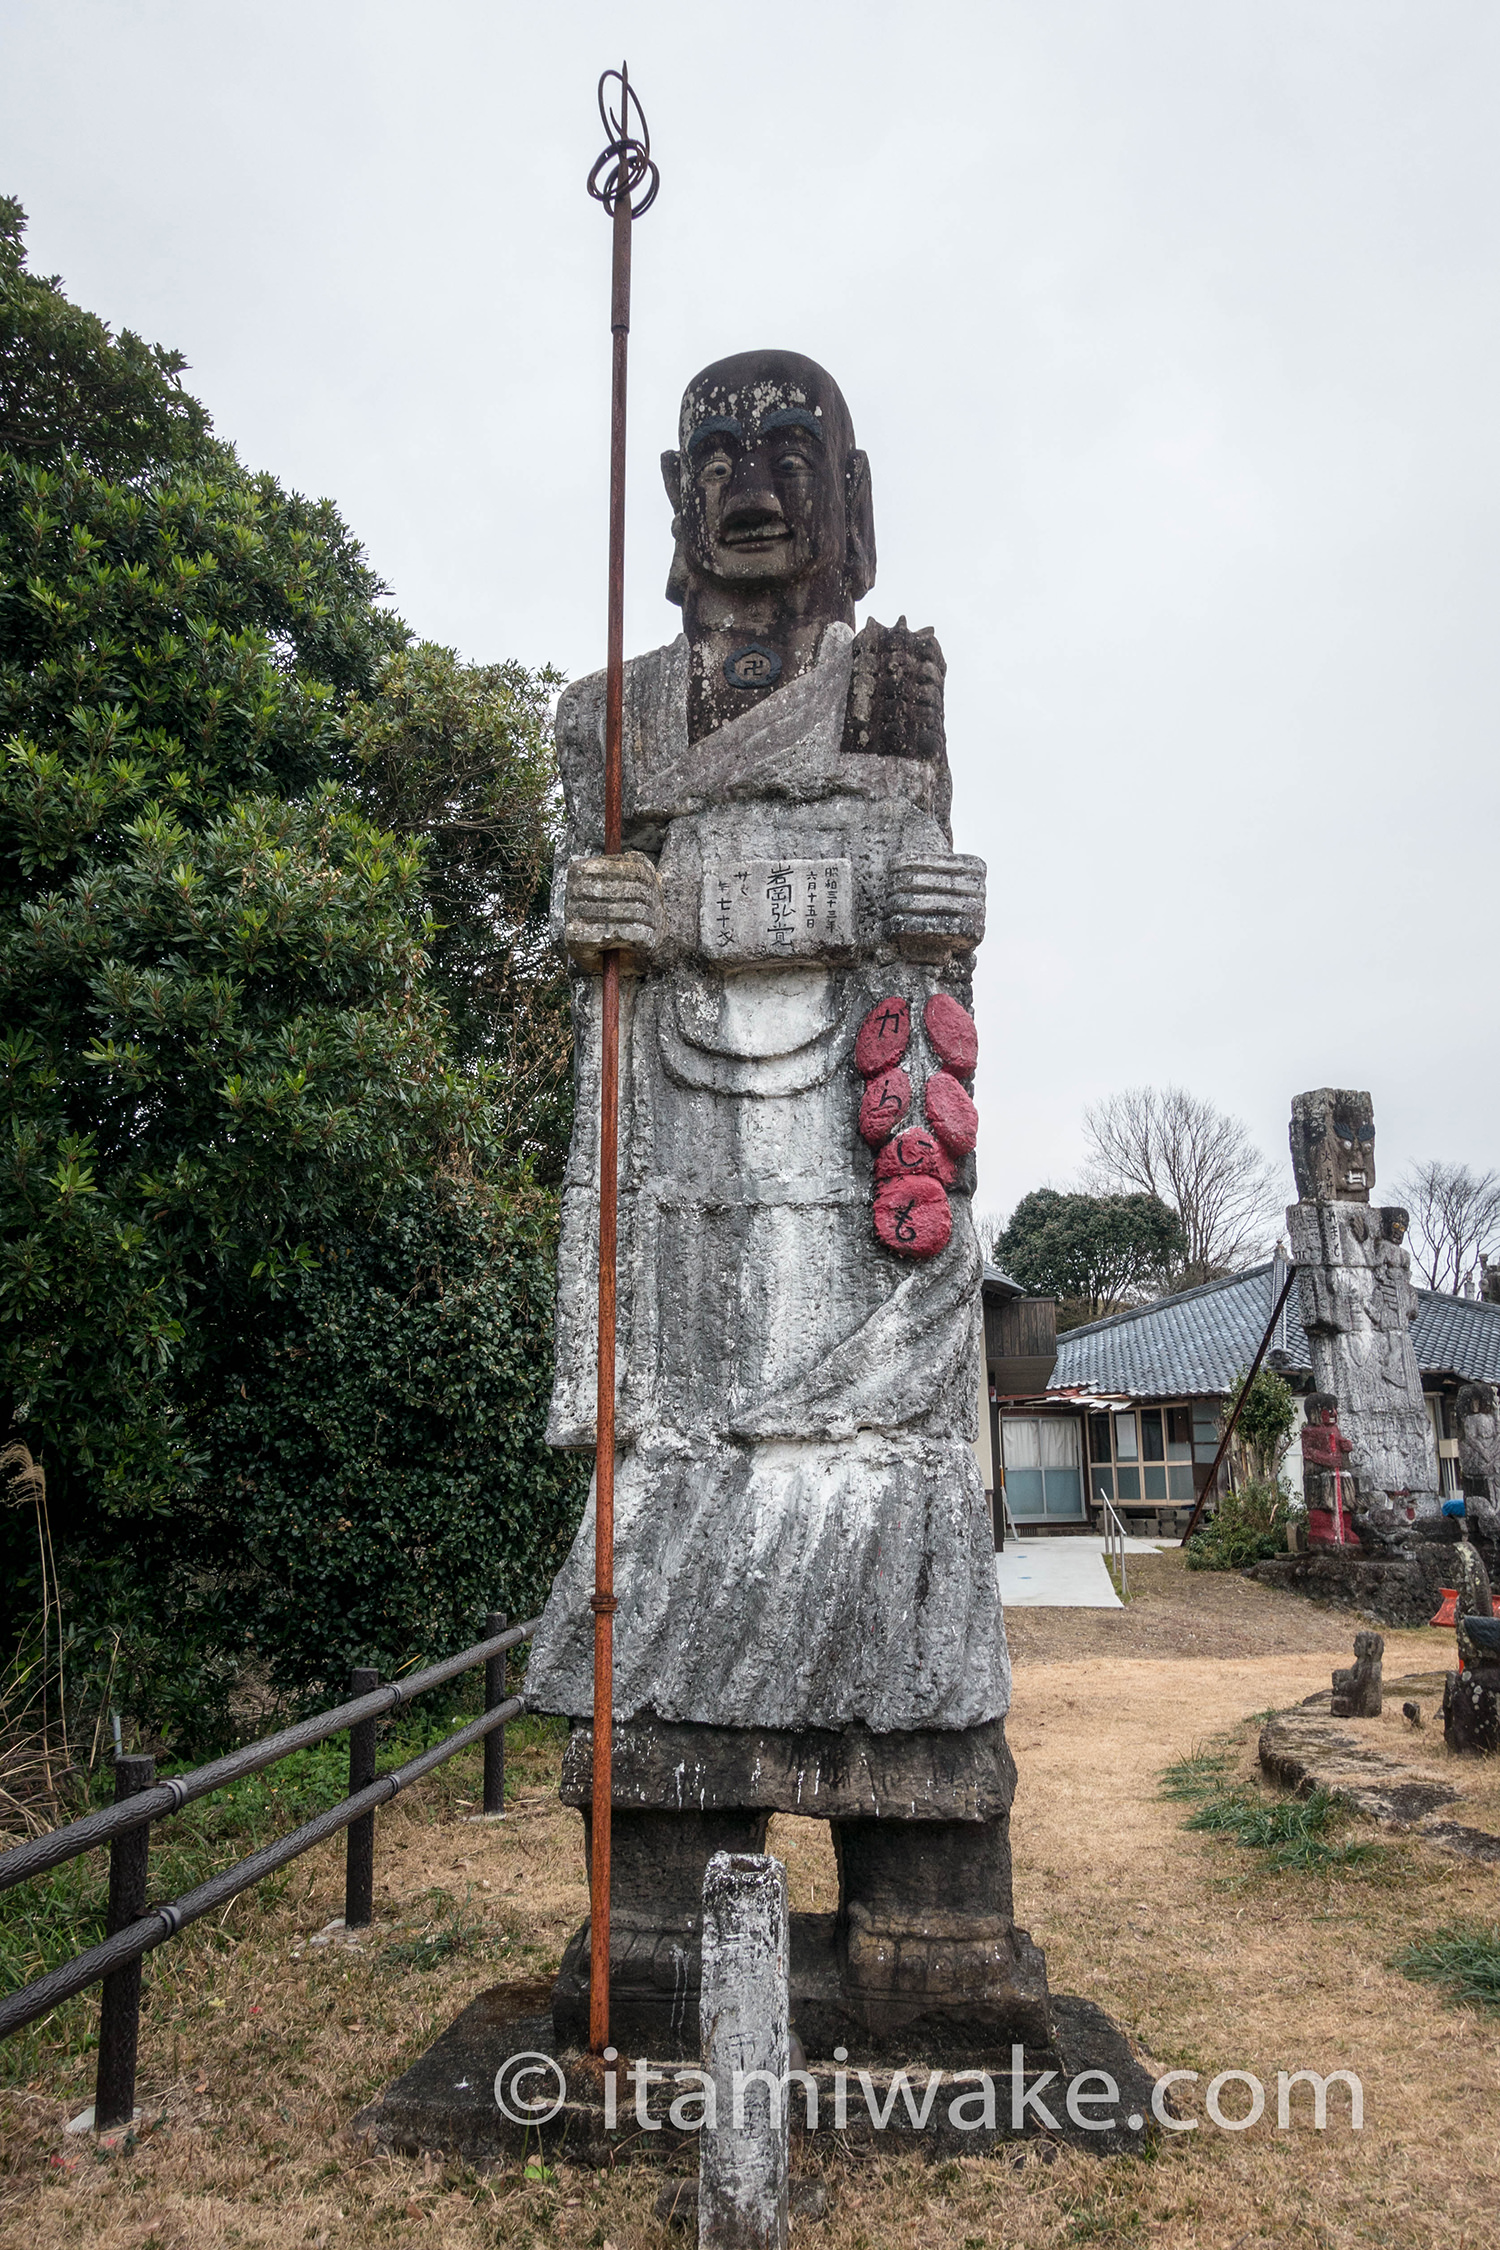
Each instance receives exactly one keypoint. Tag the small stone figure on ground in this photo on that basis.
(1412, 1714)
(1356, 1688)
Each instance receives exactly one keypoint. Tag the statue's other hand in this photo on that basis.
(936, 905)
(614, 905)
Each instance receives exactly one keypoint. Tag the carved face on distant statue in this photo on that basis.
(775, 535)
(1333, 1145)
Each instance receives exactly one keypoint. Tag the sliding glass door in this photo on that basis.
(1043, 1468)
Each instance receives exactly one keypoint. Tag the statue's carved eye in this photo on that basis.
(715, 468)
(788, 464)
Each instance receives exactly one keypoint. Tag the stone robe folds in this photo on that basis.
(802, 1536)
(1357, 1305)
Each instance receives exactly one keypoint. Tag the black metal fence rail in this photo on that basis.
(140, 1799)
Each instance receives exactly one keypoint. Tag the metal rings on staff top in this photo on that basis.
(627, 152)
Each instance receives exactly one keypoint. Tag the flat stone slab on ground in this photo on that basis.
(1306, 1749)
(446, 2101)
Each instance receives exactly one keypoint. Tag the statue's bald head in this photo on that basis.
(768, 487)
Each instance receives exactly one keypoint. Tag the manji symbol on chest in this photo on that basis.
(777, 909)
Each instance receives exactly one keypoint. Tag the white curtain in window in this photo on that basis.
(1019, 1444)
(1059, 1445)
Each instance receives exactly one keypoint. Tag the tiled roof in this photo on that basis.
(1457, 1336)
(1195, 1343)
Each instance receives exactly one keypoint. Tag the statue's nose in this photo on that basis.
(754, 512)
(751, 503)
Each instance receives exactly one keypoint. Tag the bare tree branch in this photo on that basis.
(1166, 1142)
(1455, 1221)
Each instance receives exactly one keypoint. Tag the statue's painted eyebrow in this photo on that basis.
(714, 426)
(792, 417)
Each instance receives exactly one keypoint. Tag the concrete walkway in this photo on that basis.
(1062, 1573)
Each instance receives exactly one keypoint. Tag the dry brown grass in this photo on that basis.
(257, 2052)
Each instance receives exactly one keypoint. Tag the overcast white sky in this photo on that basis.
(1170, 327)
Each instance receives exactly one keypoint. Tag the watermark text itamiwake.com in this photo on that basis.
(531, 2089)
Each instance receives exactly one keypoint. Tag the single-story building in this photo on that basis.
(1129, 1409)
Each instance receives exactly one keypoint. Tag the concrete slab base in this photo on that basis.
(1306, 1749)
(447, 2103)
(1055, 1574)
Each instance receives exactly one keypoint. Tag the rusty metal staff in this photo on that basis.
(624, 167)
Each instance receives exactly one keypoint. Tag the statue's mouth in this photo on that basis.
(756, 535)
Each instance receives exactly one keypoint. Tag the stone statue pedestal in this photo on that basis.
(922, 1955)
(446, 2101)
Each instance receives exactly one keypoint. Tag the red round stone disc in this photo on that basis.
(953, 1032)
(883, 1037)
(950, 1113)
(913, 1154)
(887, 1100)
(912, 1217)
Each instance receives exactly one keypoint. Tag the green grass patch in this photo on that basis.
(452, 1930)
(1118, 1580)
(1291, 1833)
(1463, 1958)
(1198, 1775)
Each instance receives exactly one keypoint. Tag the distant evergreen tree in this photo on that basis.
(1094, 1253)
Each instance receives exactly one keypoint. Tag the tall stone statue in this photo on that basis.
(1358, 1304)
(1478, 1423)
(808, 1618)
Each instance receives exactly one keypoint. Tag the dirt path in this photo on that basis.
(1174, 1611)
(1211, 1963)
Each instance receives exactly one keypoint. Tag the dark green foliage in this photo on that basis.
(461, 755)
(1265, 1421)
(216, 1045)
(1463, 1958)
(240, 1055)
(384, 1472)
(216, 1030)
(1095, 1252)
(1247, 1526)
(68, 386)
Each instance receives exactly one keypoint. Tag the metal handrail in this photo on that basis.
(125, 1826)
(1114, 1540)
(39, 1853)
(163, 1922)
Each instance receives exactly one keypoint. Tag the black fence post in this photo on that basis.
(120, 1994)
(359, 1863)
(494, 1694)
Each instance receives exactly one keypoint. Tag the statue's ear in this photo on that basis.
(677, 577)
(859, 510)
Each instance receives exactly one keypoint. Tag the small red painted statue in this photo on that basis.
(1327, 1480)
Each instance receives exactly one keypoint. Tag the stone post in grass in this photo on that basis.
(743, 2153)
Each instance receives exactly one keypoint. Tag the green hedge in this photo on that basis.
(379, 1472)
